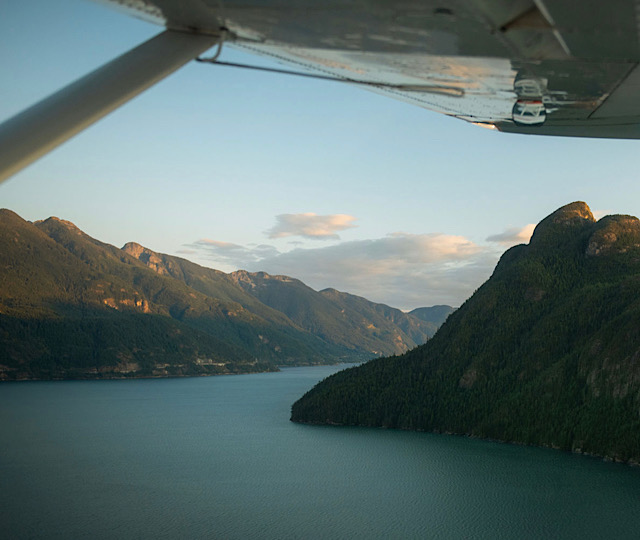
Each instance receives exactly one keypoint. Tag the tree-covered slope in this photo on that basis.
(343, 319)
(356, 327)
(208, 281)
(72, 306)
(546, 352)
(403, 329)
(223, 288)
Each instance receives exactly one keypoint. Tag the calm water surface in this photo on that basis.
(218, 458)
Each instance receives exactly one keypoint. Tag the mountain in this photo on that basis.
(74, 307)
(546, 352)
(208, 281)
(71, 306)
(403, 329)
(434, 316)
(349, 322)
(340, 318)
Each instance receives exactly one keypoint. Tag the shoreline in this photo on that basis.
(601, 457)
(106, 377)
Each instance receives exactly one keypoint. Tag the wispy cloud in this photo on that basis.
(310, 225)
(513, 236)
(400, 269)
(234, 255)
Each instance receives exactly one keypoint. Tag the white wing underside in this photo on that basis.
(546, 67)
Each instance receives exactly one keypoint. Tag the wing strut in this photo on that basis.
(47, 124)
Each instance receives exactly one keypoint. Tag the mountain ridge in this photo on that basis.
(72, 306)
(322, 313)
(348, 320)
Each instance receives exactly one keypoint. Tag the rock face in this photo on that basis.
(561, 225)
(573, 215)
(614, 234)
(146, 256)
(546, 352)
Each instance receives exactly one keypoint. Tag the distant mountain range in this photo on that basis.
(546, 352)
(434, 316)
(74, 307)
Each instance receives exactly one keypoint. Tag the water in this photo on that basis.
(218, 458)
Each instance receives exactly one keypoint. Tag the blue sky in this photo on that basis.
(331, 184)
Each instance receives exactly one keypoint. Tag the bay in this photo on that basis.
(217, 457)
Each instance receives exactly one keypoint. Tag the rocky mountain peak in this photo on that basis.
(575, 215)
(243, 276)
(146, 256)
(614, 234)
(545, 352)
(133, 249)
(6, 213)
(55, 221)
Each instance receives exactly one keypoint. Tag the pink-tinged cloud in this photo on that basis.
(513, 236)
(599, 214)
(310, 225)
(217, 244)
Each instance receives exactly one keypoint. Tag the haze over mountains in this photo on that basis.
(74, 307)
(546, 352)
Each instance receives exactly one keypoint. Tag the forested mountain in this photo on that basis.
(72, 306)
(344, 319)
(546, 352)
(434, 316)
(208, 281)
(347, 321)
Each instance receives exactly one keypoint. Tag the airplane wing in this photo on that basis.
(545, 67)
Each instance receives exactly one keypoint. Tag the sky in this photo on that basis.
(325, 182)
